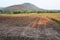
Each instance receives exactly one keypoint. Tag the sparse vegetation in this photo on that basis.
(55, 19)
(28, 12)
(28, 27)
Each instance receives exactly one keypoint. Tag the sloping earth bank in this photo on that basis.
(28, 28)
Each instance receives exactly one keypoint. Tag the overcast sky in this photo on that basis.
(45, 4)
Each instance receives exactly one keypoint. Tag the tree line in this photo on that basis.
(20, 12)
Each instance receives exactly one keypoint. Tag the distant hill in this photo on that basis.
(23, 7)
(1, 7)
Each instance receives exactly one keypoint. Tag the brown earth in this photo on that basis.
(32, 26)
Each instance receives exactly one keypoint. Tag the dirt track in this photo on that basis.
(28, 28)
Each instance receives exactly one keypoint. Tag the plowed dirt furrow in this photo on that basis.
(33, 23)
(38, 27)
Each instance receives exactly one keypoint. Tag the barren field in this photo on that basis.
(29, 27)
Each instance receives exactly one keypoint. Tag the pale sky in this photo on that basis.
(45, 4)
